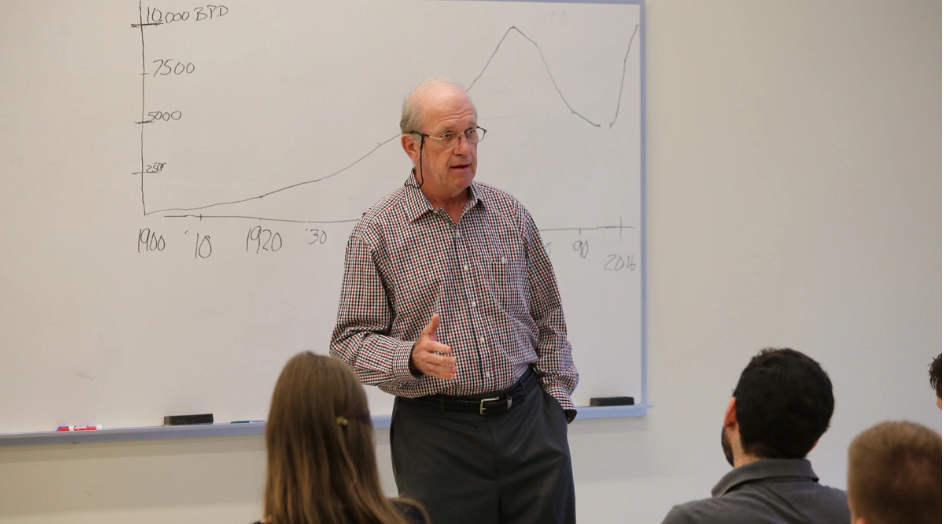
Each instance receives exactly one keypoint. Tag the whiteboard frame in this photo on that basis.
(234, 430)
(383, 421)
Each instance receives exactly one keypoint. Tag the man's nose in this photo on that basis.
(463, 146)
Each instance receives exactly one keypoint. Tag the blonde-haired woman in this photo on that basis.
(320, 444)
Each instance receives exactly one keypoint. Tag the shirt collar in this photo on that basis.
(764, 469)
(417, 204)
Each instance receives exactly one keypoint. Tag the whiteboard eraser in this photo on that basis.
(612, 401)
(188, 420)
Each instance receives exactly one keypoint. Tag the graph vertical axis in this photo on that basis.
(143, 81)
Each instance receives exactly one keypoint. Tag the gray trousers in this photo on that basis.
(512, 467)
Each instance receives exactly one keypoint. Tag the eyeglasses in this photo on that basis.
(450, 139)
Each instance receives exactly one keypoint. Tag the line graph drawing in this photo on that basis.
(353, 220)
(618, 227)
(619, 99)
(186, 212)
(279, 190)
(546, 67)
(264, 219)
(143, 83)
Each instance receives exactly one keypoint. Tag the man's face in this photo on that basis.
(938, 402)
(447, 172)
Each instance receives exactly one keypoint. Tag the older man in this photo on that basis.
(450, 303)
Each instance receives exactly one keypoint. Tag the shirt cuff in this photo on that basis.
(401, 362)
(563, 398)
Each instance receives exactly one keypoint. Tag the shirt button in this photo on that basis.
(488, 375)
(465, 267)
(482, 340)
(502, 260)
(473, 303)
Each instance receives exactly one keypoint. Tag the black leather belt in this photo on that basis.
(485, 405)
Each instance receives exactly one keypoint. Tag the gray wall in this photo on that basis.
(794, 199)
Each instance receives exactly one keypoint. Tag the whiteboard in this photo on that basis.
(178, 185)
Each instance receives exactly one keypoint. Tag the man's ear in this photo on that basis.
(814, 445)
(411, 147)
(730, 414)
(855, 520)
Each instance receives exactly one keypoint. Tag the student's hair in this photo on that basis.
(895, 474)
(784, 403)
(320, 446)
(934, 370)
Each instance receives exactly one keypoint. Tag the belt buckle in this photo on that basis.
(482, 404)
(484, 400)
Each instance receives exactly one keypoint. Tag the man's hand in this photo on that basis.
(429, 357)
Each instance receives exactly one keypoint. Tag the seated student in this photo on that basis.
(781, 407)
(934, 370)
(320, 446)
(895, 475)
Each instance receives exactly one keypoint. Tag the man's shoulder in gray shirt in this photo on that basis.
(771, 491)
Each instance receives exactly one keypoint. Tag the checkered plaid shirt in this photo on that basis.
(488, 277)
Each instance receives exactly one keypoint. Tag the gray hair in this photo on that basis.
(410, 118)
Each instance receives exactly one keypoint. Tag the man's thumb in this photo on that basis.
(430, 329)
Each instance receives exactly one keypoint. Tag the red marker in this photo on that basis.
(92, 427)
